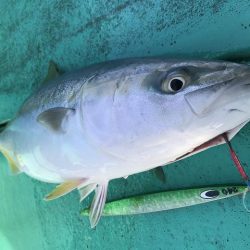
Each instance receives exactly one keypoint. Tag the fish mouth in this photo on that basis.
(217, 140)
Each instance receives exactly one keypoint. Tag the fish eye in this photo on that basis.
(173, 84)
(176, 84)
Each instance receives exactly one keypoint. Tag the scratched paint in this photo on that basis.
(77, 33)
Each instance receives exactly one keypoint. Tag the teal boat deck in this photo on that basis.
(78, 33)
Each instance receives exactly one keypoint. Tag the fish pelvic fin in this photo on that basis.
(85, 187)
(98, 203)
(85, 191)
(64, 188)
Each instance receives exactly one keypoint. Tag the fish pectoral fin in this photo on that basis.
(53, 72)
(53, 118)
(98, 204)
(159, 173)
(64, 189)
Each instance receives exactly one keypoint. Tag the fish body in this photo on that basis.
(119, 118)
(168, 200)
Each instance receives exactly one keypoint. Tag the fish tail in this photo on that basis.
(5, 149)
(3, 125)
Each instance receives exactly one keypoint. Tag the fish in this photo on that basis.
(110, 120)
(167, 200)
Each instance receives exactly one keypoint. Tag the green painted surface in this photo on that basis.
(78, 33)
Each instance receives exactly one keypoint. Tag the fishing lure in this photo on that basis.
(168, 200)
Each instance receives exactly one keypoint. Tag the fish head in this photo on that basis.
(206, 95)
(167, 110)
(199, 102)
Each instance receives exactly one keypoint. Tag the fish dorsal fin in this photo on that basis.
(53, 118)
(63, 189)
(53, 72)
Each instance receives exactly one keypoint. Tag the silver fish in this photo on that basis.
(115, 119)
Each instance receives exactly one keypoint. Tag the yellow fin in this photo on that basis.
(63, 189)
(12, 165)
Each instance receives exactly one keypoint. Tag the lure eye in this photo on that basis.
(209, 194)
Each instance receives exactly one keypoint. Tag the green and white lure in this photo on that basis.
(168, 200)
